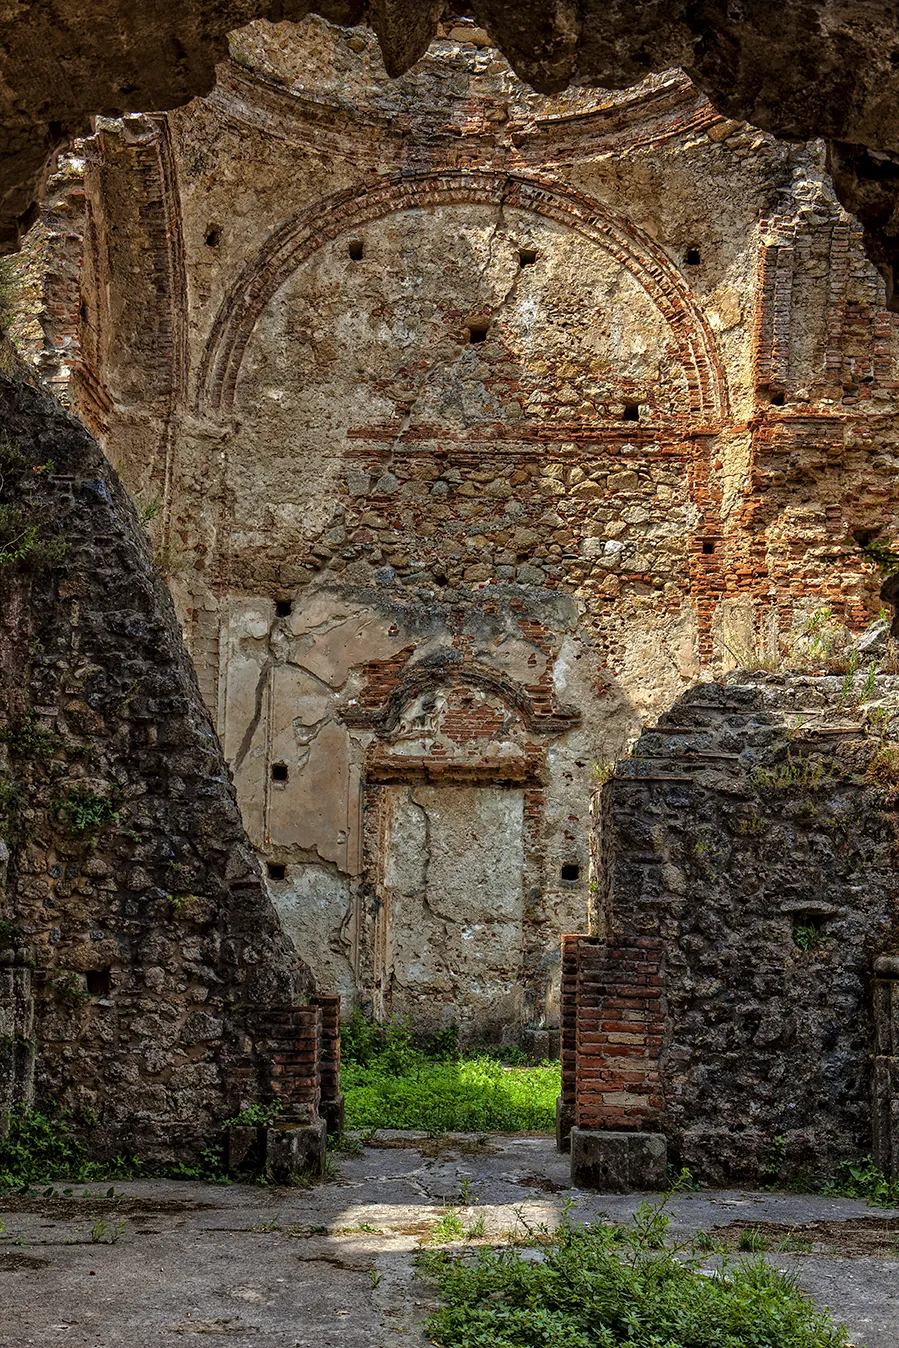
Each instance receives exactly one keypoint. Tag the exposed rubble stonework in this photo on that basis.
(146, 985)
(736, 996)
(823, 68)
(477, 425)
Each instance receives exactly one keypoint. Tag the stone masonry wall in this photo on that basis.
(131, 882)
(752, 839)
(477, 424)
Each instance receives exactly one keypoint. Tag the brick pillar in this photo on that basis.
(288, 1042)
(616, 989)
(885, 1102)
(565, 1105)
(291, 1040)
(619, 1034)
(331, 1104)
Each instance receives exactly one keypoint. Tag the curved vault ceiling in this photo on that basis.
(827, 68)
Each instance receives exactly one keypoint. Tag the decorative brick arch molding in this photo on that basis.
(298, 239)
(536, 706)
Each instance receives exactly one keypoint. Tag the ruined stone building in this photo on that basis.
(480, 424)
(473, 428)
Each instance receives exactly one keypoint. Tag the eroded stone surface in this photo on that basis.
(140, 920)
(748, 890)
(825, 69)
(282, 1267)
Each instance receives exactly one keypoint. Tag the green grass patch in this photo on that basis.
(606, 1286)
(390, 1083)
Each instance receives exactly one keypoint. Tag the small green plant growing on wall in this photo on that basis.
(10, 933)
(180, 904)
(749, 826)
(85, 811)
(602, 770)
(256, 1115)
(705, 853)
(884, 557)
(68, 987)
(808, 932)
(807, 774)
(877, 718)
(12, 290)
(882, 771)
(148, 510)
(26, 738)
(25, 534)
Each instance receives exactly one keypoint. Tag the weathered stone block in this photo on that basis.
(618, 1162)
(333, 1111)
(245, 1150)
(565, 1116)
(541, 1045)
(16, 1039)
(294, 1150)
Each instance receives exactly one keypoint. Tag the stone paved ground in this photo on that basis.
(248, 1267)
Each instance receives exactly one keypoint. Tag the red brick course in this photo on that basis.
(612, 1024)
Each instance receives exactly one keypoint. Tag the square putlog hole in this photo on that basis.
(99, 982)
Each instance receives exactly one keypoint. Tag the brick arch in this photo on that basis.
(536, 706)
(297, 240)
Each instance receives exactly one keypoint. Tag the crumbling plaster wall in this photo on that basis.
(649, 467)
(822, 69)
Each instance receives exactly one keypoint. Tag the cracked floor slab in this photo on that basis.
(254, 1267)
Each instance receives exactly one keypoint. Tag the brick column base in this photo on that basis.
(618, 1162)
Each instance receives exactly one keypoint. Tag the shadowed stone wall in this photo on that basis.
(726, 996)
(134, 903)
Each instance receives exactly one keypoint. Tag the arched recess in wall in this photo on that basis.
(540, 716)
(299, 239)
